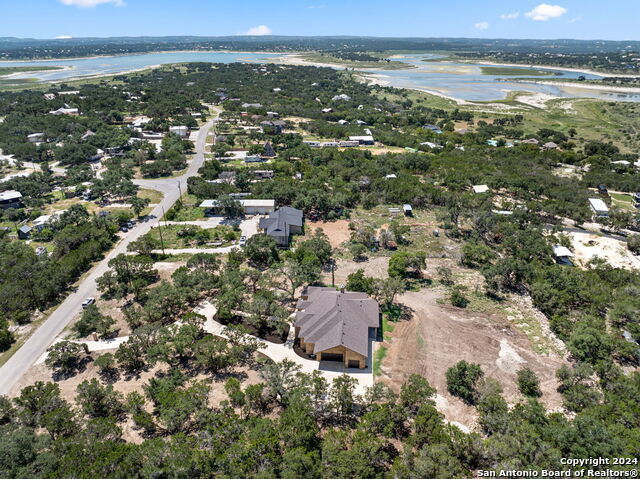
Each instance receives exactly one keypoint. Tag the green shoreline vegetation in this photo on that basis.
(512, 71)
(4, 71)
(335, 58)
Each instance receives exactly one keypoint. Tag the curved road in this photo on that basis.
(40, 340)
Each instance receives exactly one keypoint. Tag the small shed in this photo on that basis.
(24, 232)
(408, 211)
(480, 188)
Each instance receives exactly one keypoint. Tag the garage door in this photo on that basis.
(332, 357)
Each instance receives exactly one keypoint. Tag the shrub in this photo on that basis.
(458, 299)
(528, 383)
(462, 379)
(633, 243)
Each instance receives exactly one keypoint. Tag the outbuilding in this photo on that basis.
(24, 232)
(563, 255)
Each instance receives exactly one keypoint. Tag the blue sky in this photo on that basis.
(580, 19)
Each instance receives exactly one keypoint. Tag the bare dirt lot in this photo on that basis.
(614, 252)
(375, 267)
(439, 335)
(337, 231)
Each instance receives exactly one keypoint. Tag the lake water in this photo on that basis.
(458, 80)
(466, 81)
(124, 63)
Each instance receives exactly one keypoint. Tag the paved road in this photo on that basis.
(40, 340)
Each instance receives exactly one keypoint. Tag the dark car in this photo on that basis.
(603, 190)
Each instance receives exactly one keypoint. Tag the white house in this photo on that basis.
(599, 207)
(65, 111)
(366, 140)
(35, 137)
(480, 188)
(181, 131)
(250, 207)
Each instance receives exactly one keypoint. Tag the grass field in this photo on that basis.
(324, 58)
(10, 70)
(188, 236)
(153, 196)
(506, 71)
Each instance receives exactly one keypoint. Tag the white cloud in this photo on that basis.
(92, 3)
(544, 12)
(258, 31)
(482, 25)
(63, 37)
(510, 16)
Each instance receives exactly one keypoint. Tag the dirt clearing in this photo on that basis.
(337, 231)
(439, 335)
(589, 246)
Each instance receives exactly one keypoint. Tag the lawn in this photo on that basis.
(153, 196)
(622, 200)
(190, 236)
(378, 357)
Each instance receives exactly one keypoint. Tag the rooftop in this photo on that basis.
(330, 318)
(10, 195)
(244, 203)
(598, 205)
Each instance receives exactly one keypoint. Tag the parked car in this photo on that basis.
(603, 190)
(88, 302)
(243, 241)
(124, 229)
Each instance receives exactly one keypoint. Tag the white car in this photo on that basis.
(243, 241)
(88, 301)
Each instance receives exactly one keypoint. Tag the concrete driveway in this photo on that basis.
(278, 352)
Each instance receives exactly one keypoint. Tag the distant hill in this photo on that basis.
(30, 48)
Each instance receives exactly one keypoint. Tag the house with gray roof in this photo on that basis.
(337, 325)
(10, 199)
(282, 223)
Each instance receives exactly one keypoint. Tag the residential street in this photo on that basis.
(40, 340)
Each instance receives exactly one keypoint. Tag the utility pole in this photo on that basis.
(160, 231)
